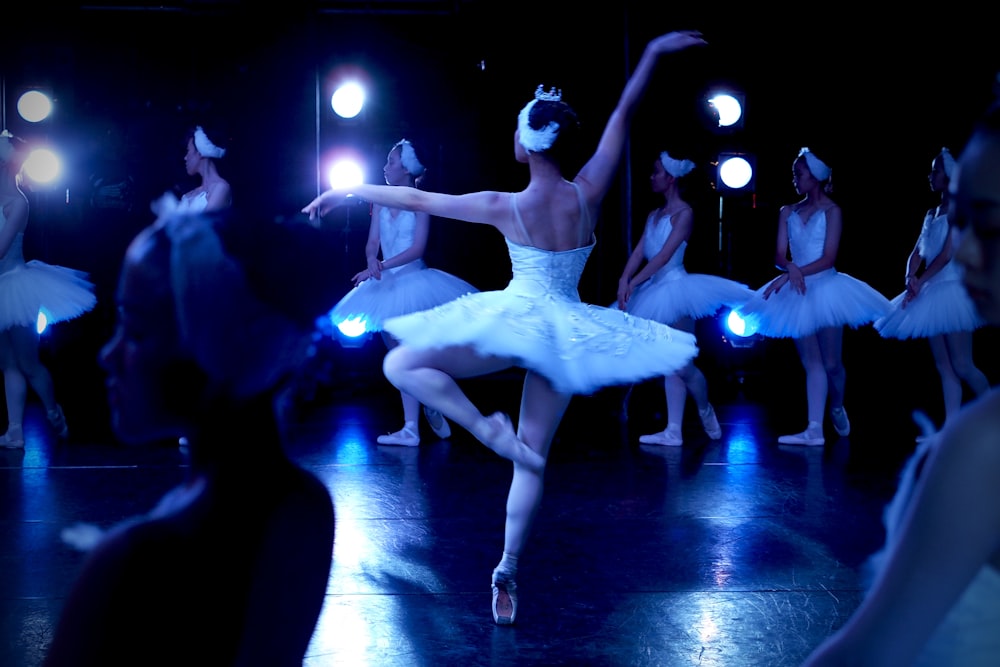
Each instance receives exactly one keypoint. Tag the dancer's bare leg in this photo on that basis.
(831, 344)
(951, 385)
(816, 380)
(411, 406)
(429, 376)
(960, 353)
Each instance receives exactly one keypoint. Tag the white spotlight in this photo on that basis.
(34, 106)
(348, 100)
(730, 109)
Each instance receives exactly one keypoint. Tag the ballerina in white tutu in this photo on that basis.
(400, 282)
(811, 301)
(213, 192)
(664, 291)
(934, 304)
(538, 321)
(934, 599)
(27, 289)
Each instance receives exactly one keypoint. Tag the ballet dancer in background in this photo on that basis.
(538, 321)
(400, 282)
(213, 192)
(811, 302)
(27, 289)
(934, 304)
(935, 596)
(664, 291)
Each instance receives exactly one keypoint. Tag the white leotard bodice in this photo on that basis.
(657, 233)
(193, 204)
(807, 238)
(396, 233)
(15, 254)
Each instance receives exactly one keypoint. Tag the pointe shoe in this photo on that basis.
(668, 438)
(57, 420)
(504, 441)
(437, 423)
(504, 598)
(841, 424)
(710, 422)
(404, 437)
(13, 438)
(811, 437)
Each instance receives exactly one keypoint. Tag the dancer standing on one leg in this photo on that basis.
(27, 288)
(538, 321)
(934, 304)
(399, 283)
(664, 291)
(811, 301)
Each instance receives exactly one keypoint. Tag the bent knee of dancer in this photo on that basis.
(394, 365)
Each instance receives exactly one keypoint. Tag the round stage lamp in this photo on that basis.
(42, 166)
(735, 173)
(348, 100)
(34, 106)
(729, 108)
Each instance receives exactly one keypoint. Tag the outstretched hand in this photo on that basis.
(323, 204)
(676, 41)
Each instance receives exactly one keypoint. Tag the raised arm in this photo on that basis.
(595, 176)
(488, 208)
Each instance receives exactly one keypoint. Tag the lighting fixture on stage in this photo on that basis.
(738, 332)
(735, 173)
(727, 108)
(352, 332)
(348, 99)
(42, 166)
(34, 106)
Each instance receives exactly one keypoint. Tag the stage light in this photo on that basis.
(345, 173)
(42, 323)
(728, 107)
(735, 172)
(348, 99)
(42, 166)
(34, 106)
(739, 331)
(352, 332)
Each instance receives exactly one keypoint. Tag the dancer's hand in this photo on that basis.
(323, 204)
(796, 278)
(775, 285)
(675, 41)
(624, 293)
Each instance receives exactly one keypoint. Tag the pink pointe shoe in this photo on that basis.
(504, 598)
(437, 422)
(811, 437)
(504, 441)
(405, 437)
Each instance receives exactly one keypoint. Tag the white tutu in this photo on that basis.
(60, 293)
(409, 289)
(831, 299)
(941, 307)
(539, 321)
(669, 297)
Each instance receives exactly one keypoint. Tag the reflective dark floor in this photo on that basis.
(731, 552)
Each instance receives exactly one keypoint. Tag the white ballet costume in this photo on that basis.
(33, 287)
(540, 321)
(401, 290)
(672, 293)
(942, 306)
(831, 298)
(966, 636)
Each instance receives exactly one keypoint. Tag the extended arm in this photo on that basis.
(595, 176)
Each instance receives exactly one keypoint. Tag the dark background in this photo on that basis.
(875, 96)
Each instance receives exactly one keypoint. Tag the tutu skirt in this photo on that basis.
(579, 347)
(60, 293)
(669, 297)
(941, 307)
(831, 299)
(410, 289)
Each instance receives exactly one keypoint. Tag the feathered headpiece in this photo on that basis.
(676, 168)
(408, 156)
(205, 146)
(817, 167)
(542, 139)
